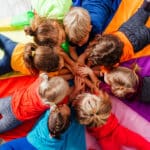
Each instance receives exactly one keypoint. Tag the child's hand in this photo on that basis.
(84, 71)
(79, 83)
(79, 86)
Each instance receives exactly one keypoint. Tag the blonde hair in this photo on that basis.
(106, 50)
(53, 90)
(77, 23)
(123, 80)
(92, 110)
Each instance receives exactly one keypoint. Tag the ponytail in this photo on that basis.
(57, 122)
(40, 58)
(28, 56)
(135, 68)
(28, 30)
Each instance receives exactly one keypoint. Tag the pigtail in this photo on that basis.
(29, 31)
(57, 123)
(44, 85)
(135, 68)
(44, 77)
(28, 57)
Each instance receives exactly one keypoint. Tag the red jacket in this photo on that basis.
(113, 136)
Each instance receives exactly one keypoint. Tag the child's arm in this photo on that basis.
(72, 66)
(84, 71)
(73, 53)
(83, 57)
(78, 87)
(131, 139)
(67, 59)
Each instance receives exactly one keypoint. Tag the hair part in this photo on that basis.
(106, 50)
(40, 58)
(123, 81)
(77, 23)
(53, 90)
(92, 110)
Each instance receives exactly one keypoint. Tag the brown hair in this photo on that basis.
(92, 110)
(57, 122)
(77, 23)
(106, 50)
(44, 30)
(123, 81)
(40, 58)
(53, 90)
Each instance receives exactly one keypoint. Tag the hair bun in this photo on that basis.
(44, 76)
(28, 30)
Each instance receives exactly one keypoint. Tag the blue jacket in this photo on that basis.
(101, 12)
(39, 138)
(72, 139)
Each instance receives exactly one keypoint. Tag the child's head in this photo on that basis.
(77, 25)
(53, 90)
(106, 50)
(40, 58)
(92, 110)
(123, 81)
(59, 120)
(46, 32)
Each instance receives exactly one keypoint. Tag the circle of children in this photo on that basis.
(65, 111)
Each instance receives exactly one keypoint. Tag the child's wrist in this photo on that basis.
(91, 73)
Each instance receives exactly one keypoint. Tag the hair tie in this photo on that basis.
(33, 53)
(53, 106)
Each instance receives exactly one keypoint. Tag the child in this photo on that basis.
(94, 111)
(123, 82)
(77, 24)
(31, 102)
(46, 32)
(56, 129)
(101, 12)
(27, 58)
(82, 23)
(132, 36)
